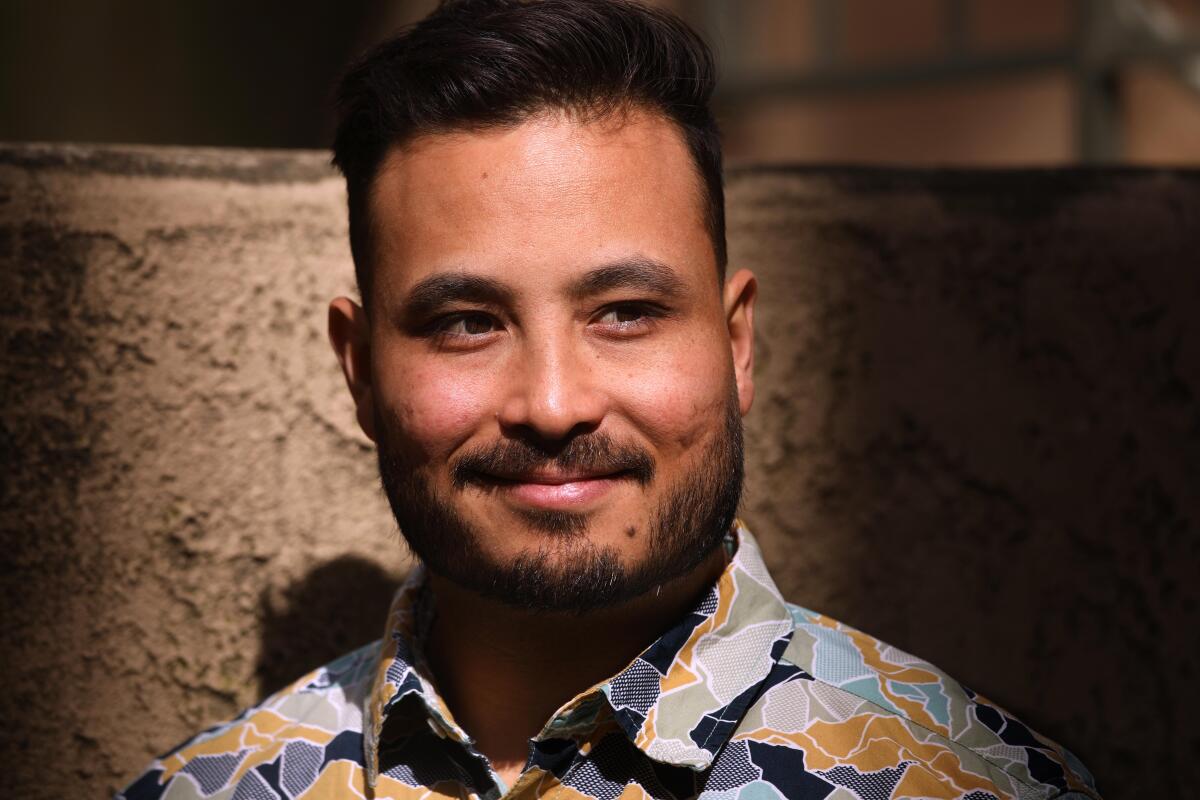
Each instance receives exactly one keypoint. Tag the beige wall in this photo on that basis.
(174, 433)
(975, 436)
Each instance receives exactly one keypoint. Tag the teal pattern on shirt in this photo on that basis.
(746, 698)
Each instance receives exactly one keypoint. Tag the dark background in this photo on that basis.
(964, 82)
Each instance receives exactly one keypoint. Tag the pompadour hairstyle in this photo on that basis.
(484, 63)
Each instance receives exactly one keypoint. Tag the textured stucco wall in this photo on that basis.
(181, 470)
(977, 436)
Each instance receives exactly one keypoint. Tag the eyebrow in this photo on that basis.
(444, 288)
(638, 272)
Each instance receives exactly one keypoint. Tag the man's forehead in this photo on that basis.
(552, 151)
(596, 189)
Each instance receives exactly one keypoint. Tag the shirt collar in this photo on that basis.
(402, 673)
(683, 697)
(678, 702)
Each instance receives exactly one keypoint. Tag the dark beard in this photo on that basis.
(569, 573)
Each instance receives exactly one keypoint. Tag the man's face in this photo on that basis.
(551, 370)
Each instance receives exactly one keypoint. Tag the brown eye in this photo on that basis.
(468, 325)
(477, 324)
(622, 315)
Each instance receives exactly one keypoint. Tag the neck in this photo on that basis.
(503, 671)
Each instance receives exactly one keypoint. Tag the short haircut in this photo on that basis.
(494, 63)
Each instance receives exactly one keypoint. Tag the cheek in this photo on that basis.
(676, 400)
(434, 407)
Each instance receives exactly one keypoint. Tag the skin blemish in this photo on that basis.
(631, 531)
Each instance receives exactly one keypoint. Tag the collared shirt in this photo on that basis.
(746, 698)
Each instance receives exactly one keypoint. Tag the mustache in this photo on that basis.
(594, 453)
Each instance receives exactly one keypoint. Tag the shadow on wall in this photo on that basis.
(979, 435)
(335, 608)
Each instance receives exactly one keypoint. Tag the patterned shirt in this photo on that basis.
(746, 698)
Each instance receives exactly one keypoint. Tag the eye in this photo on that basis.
(622, 315)
(627, 317)
(466, 324)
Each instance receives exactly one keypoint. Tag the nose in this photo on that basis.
(553, 392)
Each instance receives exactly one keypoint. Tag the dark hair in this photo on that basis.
(480, 63)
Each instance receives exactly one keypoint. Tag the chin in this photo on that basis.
(540, 529)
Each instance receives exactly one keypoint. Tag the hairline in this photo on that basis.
(617, 110)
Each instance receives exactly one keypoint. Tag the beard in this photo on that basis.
(568, 573)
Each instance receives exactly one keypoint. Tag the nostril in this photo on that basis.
(551, 443)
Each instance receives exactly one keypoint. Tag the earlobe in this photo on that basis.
(741, 292)
(350, 336)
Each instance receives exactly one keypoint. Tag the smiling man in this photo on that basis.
(554, 364)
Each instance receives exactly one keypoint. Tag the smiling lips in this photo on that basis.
(557, 491)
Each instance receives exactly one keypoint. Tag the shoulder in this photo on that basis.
(864, 714)
(286, 742)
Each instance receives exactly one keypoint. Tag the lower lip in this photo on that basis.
(560, 496)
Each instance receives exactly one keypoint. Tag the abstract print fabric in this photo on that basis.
(746, 698)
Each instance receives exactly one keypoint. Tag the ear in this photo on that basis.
(741, 290)
(350, 335)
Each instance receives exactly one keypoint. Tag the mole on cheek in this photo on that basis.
(631, 531)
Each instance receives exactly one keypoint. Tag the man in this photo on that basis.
(554, 366)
